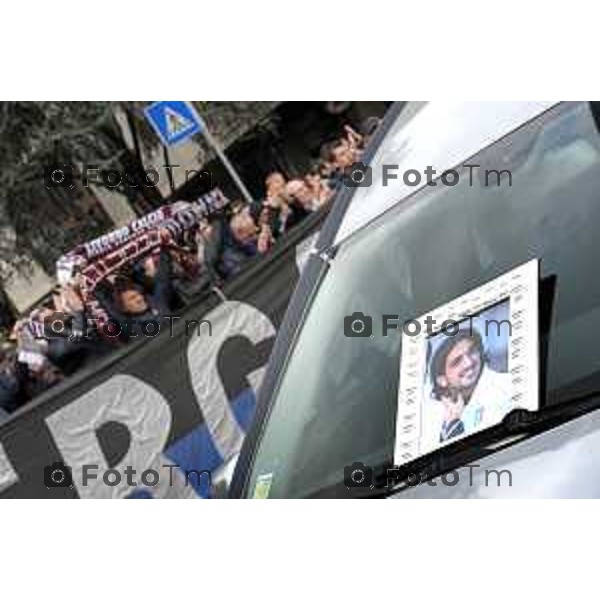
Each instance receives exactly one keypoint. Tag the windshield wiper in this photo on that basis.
(518, 425)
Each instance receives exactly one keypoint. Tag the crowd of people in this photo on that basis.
(39, 354)
(252, 229)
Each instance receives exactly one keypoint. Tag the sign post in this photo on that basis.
(176, 121)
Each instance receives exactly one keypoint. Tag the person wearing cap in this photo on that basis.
(467, 394)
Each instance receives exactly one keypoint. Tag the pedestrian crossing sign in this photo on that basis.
(174, 121)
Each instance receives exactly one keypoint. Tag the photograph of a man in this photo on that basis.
(467, 383)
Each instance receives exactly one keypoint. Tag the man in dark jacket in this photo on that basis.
(233, 243)
(134, 309)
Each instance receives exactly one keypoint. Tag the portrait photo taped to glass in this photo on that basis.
(465, 365)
